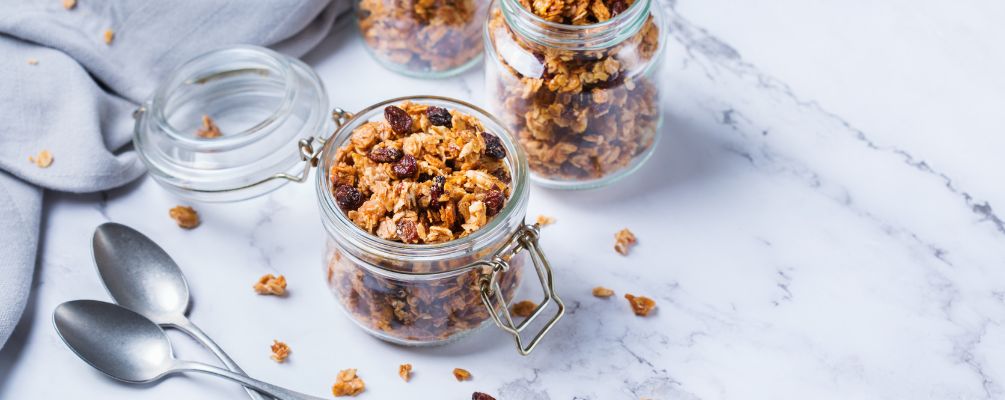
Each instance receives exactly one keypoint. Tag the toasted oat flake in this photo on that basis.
(69, 4)
(348, 383)
(641, 305)
(601, 291)
(33, 61)
(280, 351)
(108, 36)
(185, 216)
(405, 371)
(42, 160)
(462, 374)
(544, 220)
(622, 240)
(523, 309)
(208, 130)
(269, 284)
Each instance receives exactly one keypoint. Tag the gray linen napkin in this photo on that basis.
(65, 90)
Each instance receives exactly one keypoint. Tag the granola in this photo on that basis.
(623, 240)
(462, 374)
(405, 371)
(580, 114)
(208, 130)
(32, 61)
(481, 396)
(269, 284)
(423, 35)
(280, 351)
(42, 160)
(641, 305)
(523, 309)
(69, 4)
(544, 220)
(108, 36)
(347, 383)
(602, 292)
(185, 216)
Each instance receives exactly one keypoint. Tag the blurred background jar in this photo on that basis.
(423, 38)
(579, 84)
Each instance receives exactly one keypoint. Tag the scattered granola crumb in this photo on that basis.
(544, 220)
(481, 396)
(622, 240)
(601, 291)
(641, 305)
(523, 309)
(42, 160)
(405, 371)
(348, 384)
(270, 284)
(185, 216)
(109, 35)
(462, 374)
(209, 130)
(33, 61)
(69, 4)
(280, 351)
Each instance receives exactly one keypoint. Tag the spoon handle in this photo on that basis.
(266, 388)
(186, 325)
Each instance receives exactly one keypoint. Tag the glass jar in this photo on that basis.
(269, 109)
(423, 38)
(583, 99)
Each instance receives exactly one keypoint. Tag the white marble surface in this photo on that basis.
(822, 220)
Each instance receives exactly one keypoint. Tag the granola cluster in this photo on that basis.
(423, 35)
(580, 114)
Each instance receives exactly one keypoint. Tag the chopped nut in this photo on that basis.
(209, 130)
(601, 291)
(185, 216)
(109, 35)
(280, 351)
(641, 305)
(622, 240)
(405, 371)
(269, 284)
(69, 4)
(33, 61)
(523, 309)
(462, 374)
(348, 384)
(481, 396)
(42, 160)
(544, 220)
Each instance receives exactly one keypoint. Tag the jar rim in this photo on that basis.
(601, 34)
(346, 231)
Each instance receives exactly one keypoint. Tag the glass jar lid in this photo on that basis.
(224, 126)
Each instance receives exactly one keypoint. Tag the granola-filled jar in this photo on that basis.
(241, 121)
(423, 38)
(578, 83)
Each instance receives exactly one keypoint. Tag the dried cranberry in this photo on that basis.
(400, 121)
(439, 116)
(385, 154)
(436, 191)
(494, 200)
(405, 167)
(407, 232)
(617, 7)
(481, 396)
(493, 146)
(348, 198)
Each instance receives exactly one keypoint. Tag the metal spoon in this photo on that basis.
(142, 277)
(129, 347)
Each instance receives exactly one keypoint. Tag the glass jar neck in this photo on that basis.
(597, 36)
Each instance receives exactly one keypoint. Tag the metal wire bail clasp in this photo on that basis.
(525, 238)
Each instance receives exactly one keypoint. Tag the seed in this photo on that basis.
(385, 154)
(494, 201)
(405, 167)
(406, 231)
(439, 116)
(493, 146)
(348, 197)
(400, 121)
(436, 191)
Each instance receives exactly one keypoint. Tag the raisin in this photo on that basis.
(617, 7)
(405, 167)
(385, 154)
(494, 201)
(436, 191)
(503, 175)
(481, 396)
(348, 197)
(407, 232)
(400, 121)
(439, 116)
(493, 146)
